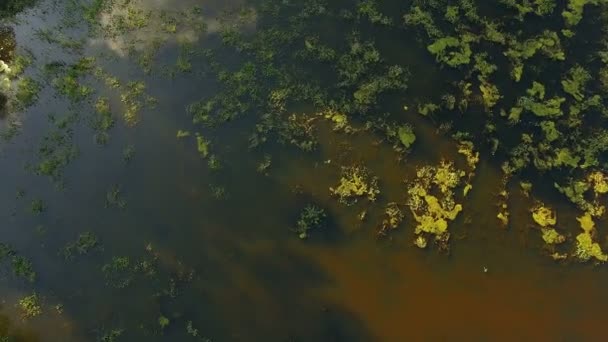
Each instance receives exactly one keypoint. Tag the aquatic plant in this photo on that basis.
(103, 121)
(392, 220)
(586, 248)
(163, 322)
(202, 145)
(30, 306)
(406, 136)
(57, 150)
(118, 273)
(432, 200)
(543, 216)
(111, 336)
(355, 182)
(37, 206)
(9, 8)
(264, 165)
(311, 217)
(27, 92)
(182, 134)
(114, 198)
(128, 153)
(552, 237)
(190, 330)
(85, 243)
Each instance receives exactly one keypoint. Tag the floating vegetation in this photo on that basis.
(111, 336)
(67, 79)
(432, 201)
(118, 272)
(27, 92)
(190, 330)
(392, 220)
(264, 165)
(57, 150)
(135, 99)
(30, 306)
(202, 145)
(85, 243)
(586, 248)
(21, 266)
(311, 217)
(355, 182)
(128, 153)
(163, 322)
(37, 206)
(114, 198)
(218, 192)
(182, 134)
(103, 121)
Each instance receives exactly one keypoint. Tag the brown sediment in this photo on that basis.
(411, 298)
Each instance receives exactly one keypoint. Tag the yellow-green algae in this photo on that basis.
(585, 247)
(356, 182)
(431, 199)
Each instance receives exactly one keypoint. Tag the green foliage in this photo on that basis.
(552, 237)
(432, 200)
(182, 134)
(453, 51)
(134, 98)
(538, 7)
(112, 335)
(427, 108)
(202, 145)
(369, 9)
(419, 17)
(574, 12)
(367, 93)
(163, 322)
(550, 131)
(190, 330)
(118, 272)
(490, 94)
(67, 79)
(85, 243)
(406, 136)
(9, 8)
(355, 182)
(30, 306)
(57, 149)
(574, 85)
(311, 217)
(544, 217)
(22, 267)
(103, 120)
(114, 198)
(37, 206)
(27, 92)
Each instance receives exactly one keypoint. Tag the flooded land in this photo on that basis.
(312, 170)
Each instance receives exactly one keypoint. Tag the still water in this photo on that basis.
(227, 264)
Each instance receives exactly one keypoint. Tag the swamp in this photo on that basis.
(303, 170)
